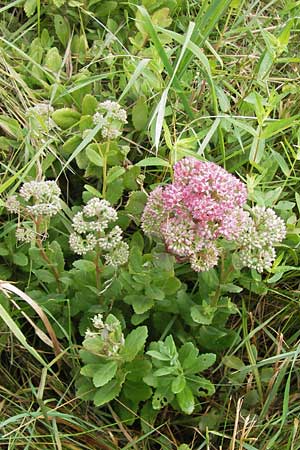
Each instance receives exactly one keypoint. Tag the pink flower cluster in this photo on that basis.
(204, 203)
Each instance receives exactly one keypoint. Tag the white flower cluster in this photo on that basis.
(45, 196)
(25, 234)
(35, 199)
(110, 332)
(111, 117)
(90, 232)
(262, 230)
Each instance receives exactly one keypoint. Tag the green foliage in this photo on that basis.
(175, 374)
(214, 80)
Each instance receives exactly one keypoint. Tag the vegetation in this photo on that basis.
(150, 224)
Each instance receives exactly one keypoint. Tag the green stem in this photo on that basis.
(98, 269)
(104, 170)
(44, 255)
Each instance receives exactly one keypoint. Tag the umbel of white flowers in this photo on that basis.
(36, 201)
(111, 118)
(91, 233)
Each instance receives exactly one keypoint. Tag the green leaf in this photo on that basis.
(53, 60)
(86, 266)
(277, 126)
(165, 371)
(157, 355)
(186, 400)
(20, 259)
(136, 391)
(233, 362)
(161, 17)
(140, 303)
(136, 204)
(70, 145)
(114, 173)
(89, 105)
(62, 29)
(130, 177)
(105, 373)
(203, 314)
(66, 117)
(281, 163)
(94, 156)
(45, 276)
(114, 191)
(153, 161)
(56, 255)
(89, 369)
(107, 393)
(30, 7)
(178, 384)
(140, 114)
(11, 127)
(134, 343)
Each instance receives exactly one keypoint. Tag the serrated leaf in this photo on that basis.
(134, 343)
(140, 303)
(203, 314)
(30, 7)
(114, 191)
(186, 400)
(89, 369)
(53, 60)
(107, 393)
(45, 276)
(114, 173)
(161, 17)
(105, 373)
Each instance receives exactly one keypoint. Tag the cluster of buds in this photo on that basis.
(91, 233)
(203, 206)
(108, 334)
(36, 202)
(263, 229)
(111, 118)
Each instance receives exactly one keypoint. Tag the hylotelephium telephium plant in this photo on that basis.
(205, 206)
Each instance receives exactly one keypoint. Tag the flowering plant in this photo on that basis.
(204, 206)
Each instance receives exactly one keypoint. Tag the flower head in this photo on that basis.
(261, 231)
(111, 118)
(203, 203)
(91, 233)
